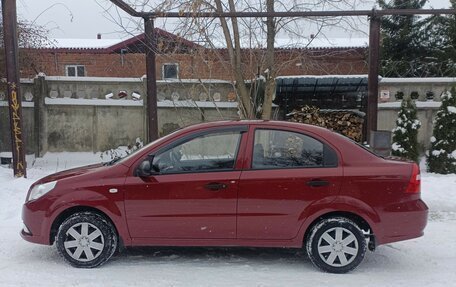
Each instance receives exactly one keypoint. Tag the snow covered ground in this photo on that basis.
(426, 261)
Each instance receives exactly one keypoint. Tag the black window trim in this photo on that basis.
(241, 129)
(293, 167)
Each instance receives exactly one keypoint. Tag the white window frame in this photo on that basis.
(169, 64)
(76, 70)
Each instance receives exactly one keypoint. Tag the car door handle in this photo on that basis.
(317, 183)
(215, 186)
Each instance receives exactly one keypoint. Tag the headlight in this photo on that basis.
(41, 189)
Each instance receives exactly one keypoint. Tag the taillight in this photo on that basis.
(414, 185)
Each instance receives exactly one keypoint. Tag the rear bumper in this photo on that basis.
(402, 221)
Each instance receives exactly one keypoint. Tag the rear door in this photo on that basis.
(290, 173)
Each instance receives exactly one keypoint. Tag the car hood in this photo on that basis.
(72, 172)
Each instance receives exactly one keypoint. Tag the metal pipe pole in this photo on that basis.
(12, 76)
(300, 14)
(151, 48)
(130, 10)
(372, 83)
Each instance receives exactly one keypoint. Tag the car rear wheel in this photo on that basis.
(86, 240)
(336, 245)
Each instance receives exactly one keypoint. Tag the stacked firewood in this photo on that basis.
(346, 122)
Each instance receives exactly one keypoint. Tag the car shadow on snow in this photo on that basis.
(213, 255)
(385, 258)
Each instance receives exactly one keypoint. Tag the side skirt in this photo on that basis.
(215, 242)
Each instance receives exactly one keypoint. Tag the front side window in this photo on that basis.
(75, 70)
(282, 149)
(211, 152)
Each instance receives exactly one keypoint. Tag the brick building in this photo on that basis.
(183, 59)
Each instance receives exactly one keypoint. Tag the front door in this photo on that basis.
(193, 193)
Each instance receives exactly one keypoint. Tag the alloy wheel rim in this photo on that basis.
(338, 247)
(84, 242)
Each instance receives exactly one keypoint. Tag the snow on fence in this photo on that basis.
(97, 114)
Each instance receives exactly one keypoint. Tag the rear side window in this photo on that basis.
(283, 149)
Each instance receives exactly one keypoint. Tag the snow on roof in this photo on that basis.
(283, 43)
(419, 104)
(321, 76)
(92, 102)
(130, 80)
(24, 104)
(419, 80)
(319, 43)
(381, 79)
(195, 81)
(303, 42)
(83, 43)
(194, 104)
(133, 103)
(93, 79)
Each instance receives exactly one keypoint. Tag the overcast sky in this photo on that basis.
(86, 18)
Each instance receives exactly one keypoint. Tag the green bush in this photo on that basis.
(405, 135)
(442, 155)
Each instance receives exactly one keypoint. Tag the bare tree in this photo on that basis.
(31, 36)
(244, 39)
(270, 79)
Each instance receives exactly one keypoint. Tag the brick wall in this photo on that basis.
(203, 64)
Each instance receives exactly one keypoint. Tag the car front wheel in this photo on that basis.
(86, 240)
(336, 245)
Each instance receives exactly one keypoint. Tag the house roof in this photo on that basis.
(322, 43)
(135, 43)
(60, 43)
(317, 43)
(166, 40)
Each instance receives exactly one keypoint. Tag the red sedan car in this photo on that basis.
(243, 183)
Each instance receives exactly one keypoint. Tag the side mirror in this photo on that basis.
(145, 169)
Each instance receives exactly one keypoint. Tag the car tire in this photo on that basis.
(336, 245)
(86, 240)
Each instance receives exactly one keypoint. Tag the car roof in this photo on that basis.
(264, 123)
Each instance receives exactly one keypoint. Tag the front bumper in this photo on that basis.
(36, 224)
(33, 238)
